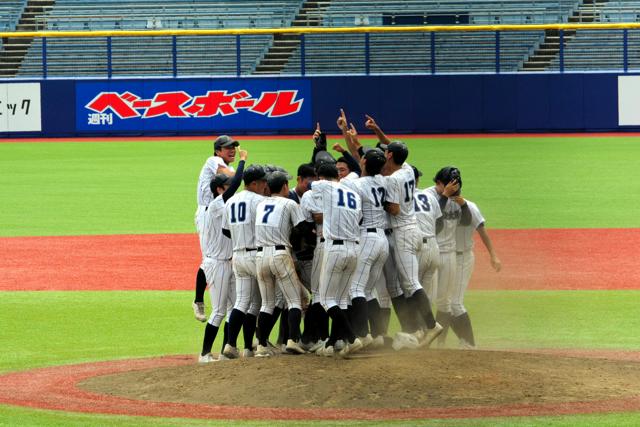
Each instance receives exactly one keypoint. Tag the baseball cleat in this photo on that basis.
(222, 357)
(366, 340)
(231, 352)
(198, 311)
(207, 358)
(325, 351)
(404, 340)
(339, 345)
(317, 345)
(431, 335)
(263, 351)
(293, 347)
(274, 349)
(352, 348)
(377, 342)
(247, 353)
(464, 345)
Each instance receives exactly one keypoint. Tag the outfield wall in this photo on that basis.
(401, 104)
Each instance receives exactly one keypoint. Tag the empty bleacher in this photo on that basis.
(153, 56)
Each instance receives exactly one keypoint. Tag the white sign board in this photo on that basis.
(629, 100)
(20, 108)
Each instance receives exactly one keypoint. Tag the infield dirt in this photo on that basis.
(416, 379)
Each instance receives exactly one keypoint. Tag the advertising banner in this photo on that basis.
(20, 109)
(193, 105)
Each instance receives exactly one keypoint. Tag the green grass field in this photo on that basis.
(149, 187)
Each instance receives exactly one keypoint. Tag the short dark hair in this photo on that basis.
(306, 170)
(328, 170)
(277, 180)
(253, 173)
(399, 151)
(448, 174)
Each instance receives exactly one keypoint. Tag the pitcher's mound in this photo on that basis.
(417, 379)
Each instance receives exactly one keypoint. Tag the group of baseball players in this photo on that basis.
(330, 257)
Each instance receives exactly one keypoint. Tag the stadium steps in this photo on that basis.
(16, 49)
(588, 11)
(283, 46)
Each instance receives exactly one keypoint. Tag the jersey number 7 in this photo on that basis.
(268, 210)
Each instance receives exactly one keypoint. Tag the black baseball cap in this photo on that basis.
(381, 146)
(323, 157)
(254, 173)
(375, 160)
(219, 180)
(224, 141)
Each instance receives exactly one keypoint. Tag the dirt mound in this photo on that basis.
(419, 379)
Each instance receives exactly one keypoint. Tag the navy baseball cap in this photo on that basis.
(323, 157)
(224, 141)
(375, 160)
(254, 173)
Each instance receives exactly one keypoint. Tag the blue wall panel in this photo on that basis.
(411, 103)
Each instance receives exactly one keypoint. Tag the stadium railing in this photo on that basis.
(371, 50)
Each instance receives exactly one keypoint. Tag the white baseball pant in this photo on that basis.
(316, 269)
(392, 281)
(465, 262)
(428, 262)
(247, 291)
(338, 265)
(275, 269)
(219, 274)
(374, 251)
(408, 241)
(446, 281)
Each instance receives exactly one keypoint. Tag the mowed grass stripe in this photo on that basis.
(149, 187)
(53, 328)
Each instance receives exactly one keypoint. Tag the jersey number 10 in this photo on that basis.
(241, 212)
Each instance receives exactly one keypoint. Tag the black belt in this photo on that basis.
(341, 242)
(250, 249)
(278, 248)
(322, 240)
(425, 239)
(372, 230)
(388, 231)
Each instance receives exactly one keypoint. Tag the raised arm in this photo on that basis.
(320, 141)
(373, 126)
(237, 178)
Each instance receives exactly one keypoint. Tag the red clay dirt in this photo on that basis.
(544, 259)
(57, 388)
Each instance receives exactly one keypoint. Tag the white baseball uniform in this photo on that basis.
(446, 239)
(427, 212)
(275, 218)
(204, 196)
(341, 214)
(465, 259)
(374, 248)
(217, 262)
(408, 240)
(310, 206)
(240, 216)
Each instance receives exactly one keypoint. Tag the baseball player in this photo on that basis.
(341, 215)
(374, 249)
(276, 216)
(224, 149)
(427, 213)
(240, 215)
(218, 252)
(465, 260)
(408, 242)
(455, 212)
